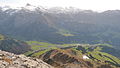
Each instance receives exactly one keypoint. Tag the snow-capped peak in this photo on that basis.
(4, 8)
(29, 7)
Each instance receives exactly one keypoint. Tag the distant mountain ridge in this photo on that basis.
(59, 26)
(30, 7)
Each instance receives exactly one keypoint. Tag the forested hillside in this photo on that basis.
(13, 45)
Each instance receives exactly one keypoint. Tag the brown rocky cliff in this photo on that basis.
(63, 60)
(69, 59)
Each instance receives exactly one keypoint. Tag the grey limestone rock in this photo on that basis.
(10, 60)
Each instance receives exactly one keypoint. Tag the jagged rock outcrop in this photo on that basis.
(63, 59)
(10, 60)
(70, 59)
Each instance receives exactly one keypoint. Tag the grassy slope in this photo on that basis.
(42, 46)
(65, 32)
(95, 53)
(1, 37)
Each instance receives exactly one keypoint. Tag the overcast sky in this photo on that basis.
(96, 5)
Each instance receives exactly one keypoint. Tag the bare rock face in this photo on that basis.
(70, 59)
(63, 59)
(10, 60)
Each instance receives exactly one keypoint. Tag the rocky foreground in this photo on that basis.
(10, 60)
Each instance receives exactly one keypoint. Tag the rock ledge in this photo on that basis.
(10, 60)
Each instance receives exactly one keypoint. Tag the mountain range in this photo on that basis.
(57, 25)
(61, 37)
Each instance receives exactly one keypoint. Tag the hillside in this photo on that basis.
(74, 59)
(36, 47)
(13, 45)
(75, 55)
(10, 60)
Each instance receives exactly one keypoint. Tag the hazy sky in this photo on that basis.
(96, 5)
